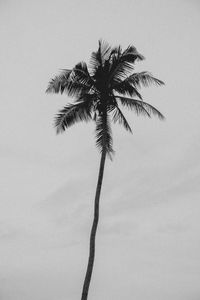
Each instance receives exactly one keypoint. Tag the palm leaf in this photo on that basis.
(142, 79)
(119, 117)
(131, 54)
(71, 114)
(81, 74)
(104, 134)
(140, 107)
(126, 88)
(58, 82)
(73, 82)
(122, 63)
(99, 57)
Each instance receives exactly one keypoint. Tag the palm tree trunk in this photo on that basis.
(94, 229)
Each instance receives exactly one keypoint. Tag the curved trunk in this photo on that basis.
(94, 229)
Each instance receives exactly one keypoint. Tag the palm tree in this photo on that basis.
(100, 91)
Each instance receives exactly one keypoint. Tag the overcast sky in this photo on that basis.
(148, 244)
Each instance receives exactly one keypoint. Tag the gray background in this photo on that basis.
(148, 237)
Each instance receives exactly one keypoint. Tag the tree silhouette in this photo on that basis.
(100, 91)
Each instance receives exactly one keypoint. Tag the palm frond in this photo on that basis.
(73, 82)
(58, 82)
(71, 114)
(119, 117)
(131, 54)
(122, 63)
(104, 134)
(142, 79)
(81, 74)
(115, 52)
(140, 107)
(80, 81)
(99, 57)
(126, 88)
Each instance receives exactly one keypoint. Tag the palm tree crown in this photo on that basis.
(101, 89)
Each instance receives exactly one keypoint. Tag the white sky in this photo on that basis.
(148, 238)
